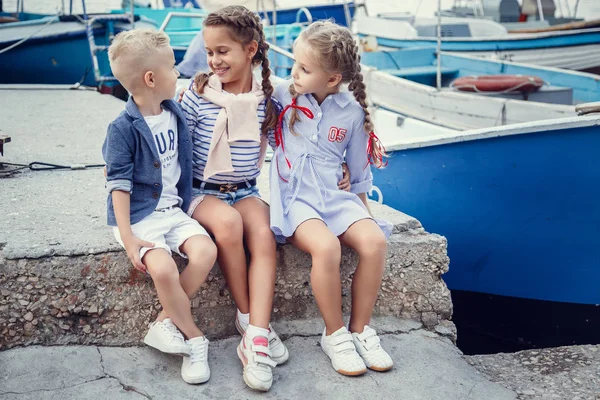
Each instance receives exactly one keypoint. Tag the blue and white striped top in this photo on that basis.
(201, 116)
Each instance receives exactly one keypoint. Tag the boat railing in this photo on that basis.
(177, 14)
(94, 48)
(306, 12)
(281, 51)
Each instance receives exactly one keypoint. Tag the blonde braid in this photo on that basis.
(294, 113)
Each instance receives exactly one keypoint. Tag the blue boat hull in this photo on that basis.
(55, 60)
(521, 212)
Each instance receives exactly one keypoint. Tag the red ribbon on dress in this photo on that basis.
(279, 130)
(373, 138)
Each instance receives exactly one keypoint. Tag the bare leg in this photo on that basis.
(225, 224)
(263, 259)
(315, 238)
(173, 299)
(367, 239)
(201, 253)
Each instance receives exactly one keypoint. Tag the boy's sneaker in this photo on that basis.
(368, 346)
(340, 349)
(164, 336)
(195, 367)
(256, 359)
(279, 353)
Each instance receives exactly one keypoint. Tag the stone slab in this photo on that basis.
(427, 367)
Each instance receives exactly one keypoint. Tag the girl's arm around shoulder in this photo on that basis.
(271, 132)
(117, 151)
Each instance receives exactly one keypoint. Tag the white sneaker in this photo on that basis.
(195, 367)
(279, 353)
(165, 336)
(256, 359)
(368, 346)
(340, 349)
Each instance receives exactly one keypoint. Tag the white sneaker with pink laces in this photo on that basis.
(368, 346)
(255, 356)
(279, 353)
(340, 349)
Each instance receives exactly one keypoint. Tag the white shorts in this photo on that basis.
(168, 229)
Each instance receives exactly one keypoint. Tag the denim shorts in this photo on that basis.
(230, 198)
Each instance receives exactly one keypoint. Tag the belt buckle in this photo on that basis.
(228, 188)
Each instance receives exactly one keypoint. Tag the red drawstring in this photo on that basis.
(373, 138)
(279, 130)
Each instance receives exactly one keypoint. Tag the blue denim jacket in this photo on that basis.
(133, 164)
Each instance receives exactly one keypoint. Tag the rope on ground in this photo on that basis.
(42, 166)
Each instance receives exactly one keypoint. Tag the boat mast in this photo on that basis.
(575, 11)
(540, 9)
(132, 15)
(438, 77)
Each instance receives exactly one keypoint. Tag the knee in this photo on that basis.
(230, 229)
(203, 254)
(263, 237)
(165, 274)
(328, 250)
(373, 246)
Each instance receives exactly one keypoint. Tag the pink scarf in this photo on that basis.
(237, 120)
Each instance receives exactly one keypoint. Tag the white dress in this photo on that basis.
(307, 187)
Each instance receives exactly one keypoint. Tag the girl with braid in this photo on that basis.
(319, 124)
(229, 114)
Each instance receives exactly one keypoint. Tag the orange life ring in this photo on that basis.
(498, 83)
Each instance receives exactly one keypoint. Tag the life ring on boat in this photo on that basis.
(498, 83)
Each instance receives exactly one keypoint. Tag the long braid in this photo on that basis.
(271, 112)
(293, 113)
(358, 88)
(245, 26)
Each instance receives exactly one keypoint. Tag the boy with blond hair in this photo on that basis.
(148, 154)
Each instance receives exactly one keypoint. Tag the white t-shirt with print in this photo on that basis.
(164, 133)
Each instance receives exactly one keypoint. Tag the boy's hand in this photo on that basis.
(132, 247)
(344, 184)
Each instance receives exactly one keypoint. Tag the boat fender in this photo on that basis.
(498, 83)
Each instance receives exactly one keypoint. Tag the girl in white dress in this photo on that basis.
(318, 125)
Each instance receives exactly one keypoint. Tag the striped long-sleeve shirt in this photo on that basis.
(201, 116)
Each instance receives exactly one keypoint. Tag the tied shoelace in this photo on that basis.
(279, 129)
(172, 330)
(198, 352)
(374, 140)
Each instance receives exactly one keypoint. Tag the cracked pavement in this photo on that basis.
(428, 366)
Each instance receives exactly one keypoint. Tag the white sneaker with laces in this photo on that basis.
(195, 368)
(256, 359)
(279, 353)
(368, 346)
(164, 336)
(340, 349)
